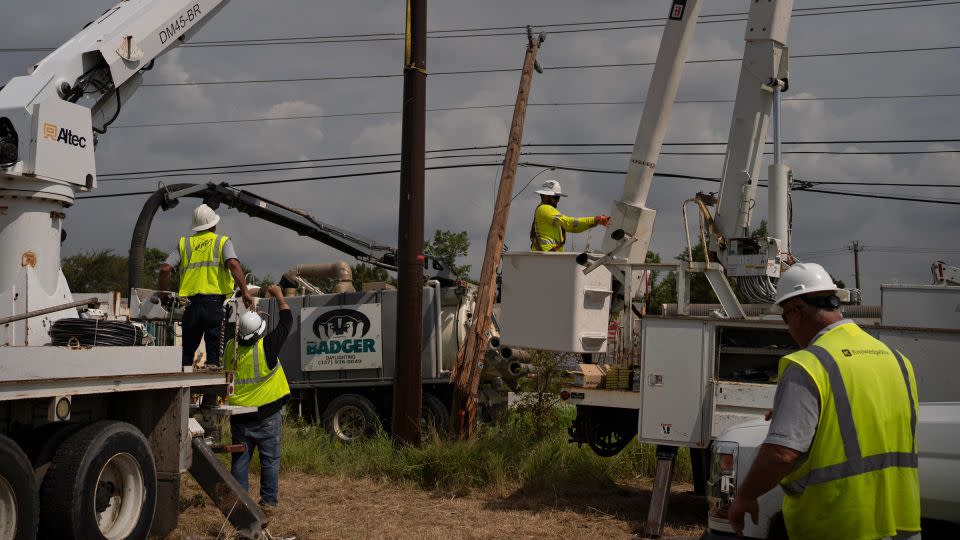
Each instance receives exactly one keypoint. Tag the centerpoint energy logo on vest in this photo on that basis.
(341, 337)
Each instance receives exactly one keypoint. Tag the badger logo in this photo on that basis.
(341, 324)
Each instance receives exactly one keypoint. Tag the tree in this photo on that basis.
(95, 271)
(447, 247)
(364, 273)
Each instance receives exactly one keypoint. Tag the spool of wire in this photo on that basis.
(94, 332)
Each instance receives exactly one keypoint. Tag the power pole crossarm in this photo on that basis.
(466, 372)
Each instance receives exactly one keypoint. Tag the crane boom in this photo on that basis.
(47, 123)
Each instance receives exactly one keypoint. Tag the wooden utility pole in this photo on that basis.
(407, 390)
(855, 247)
(466, 372)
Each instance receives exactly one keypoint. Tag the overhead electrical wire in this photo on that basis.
(106, 176)
(554, 28)
(328, 163)
(551, 68)
(541, 165)
(510, 105)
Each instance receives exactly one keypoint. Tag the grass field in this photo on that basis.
(517, 479)
(504, 456)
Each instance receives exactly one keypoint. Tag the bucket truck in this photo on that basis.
(93, 436)
(694, 372)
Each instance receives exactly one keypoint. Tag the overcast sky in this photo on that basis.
(462, 199)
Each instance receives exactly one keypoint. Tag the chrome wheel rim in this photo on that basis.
(119, 496)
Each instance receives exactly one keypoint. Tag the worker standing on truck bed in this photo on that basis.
(843, 436)
(259, 382)
(208, 270)
(549, 229)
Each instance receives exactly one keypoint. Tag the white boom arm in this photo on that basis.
(47, 142)
(629, 213)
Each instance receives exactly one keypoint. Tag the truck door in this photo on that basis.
(676, 382)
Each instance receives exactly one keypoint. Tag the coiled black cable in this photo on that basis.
(93, 332)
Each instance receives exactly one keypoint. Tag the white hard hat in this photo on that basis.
(251, 327)
(204, 217)
(551, 188)
(803, 278)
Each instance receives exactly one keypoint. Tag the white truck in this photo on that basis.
(696, 371)
(95, 423)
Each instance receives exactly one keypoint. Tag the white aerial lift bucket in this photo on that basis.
(548, 303)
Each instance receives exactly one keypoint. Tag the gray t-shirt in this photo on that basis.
(796, 411)
(229, 252)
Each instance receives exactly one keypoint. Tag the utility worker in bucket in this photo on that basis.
(209, 268)
(259, 382)
(843, 435)
(549, 229)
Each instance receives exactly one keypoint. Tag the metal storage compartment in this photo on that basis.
(920, 306)
(675, 395)
(548, 303)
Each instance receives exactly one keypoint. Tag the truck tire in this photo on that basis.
(435, 417)
(19, 505)
(41, 445)
(101, 484)
(350, 417)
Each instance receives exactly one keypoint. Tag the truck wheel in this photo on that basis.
(101, 484)
(350, 417)
(435, 417)
(19, 507)
(41, 445)
(608, 441)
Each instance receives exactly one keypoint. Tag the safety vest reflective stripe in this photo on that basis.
(253, 387)
(202, 268)
(913, 406)
(188, 252)
(257, 377)
(856, 463)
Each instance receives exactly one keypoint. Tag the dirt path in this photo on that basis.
(316, 507)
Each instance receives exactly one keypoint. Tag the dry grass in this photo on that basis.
(320, 507)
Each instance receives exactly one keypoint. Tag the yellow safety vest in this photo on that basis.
(859, 480)
(253, 384)
(549, 228)
(202, 268)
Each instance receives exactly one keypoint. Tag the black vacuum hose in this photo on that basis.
(138, 244)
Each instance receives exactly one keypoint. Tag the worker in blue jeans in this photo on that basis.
(259, 382)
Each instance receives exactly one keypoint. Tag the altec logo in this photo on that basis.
(66, 136)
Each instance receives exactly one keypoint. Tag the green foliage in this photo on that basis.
(103, 270)
(504, 456)
(365, 273)
(448, 246)
(539, 399)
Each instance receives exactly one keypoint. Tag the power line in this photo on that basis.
(181, 173)
(510, 105)
(555, 28)
(104, 176)
(878, 196)
(531, 164)
(307, 179)
(905, 249)
(554, 68)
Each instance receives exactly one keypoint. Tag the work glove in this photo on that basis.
(602, 220)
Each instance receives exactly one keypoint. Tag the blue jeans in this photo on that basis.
(265, 435)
